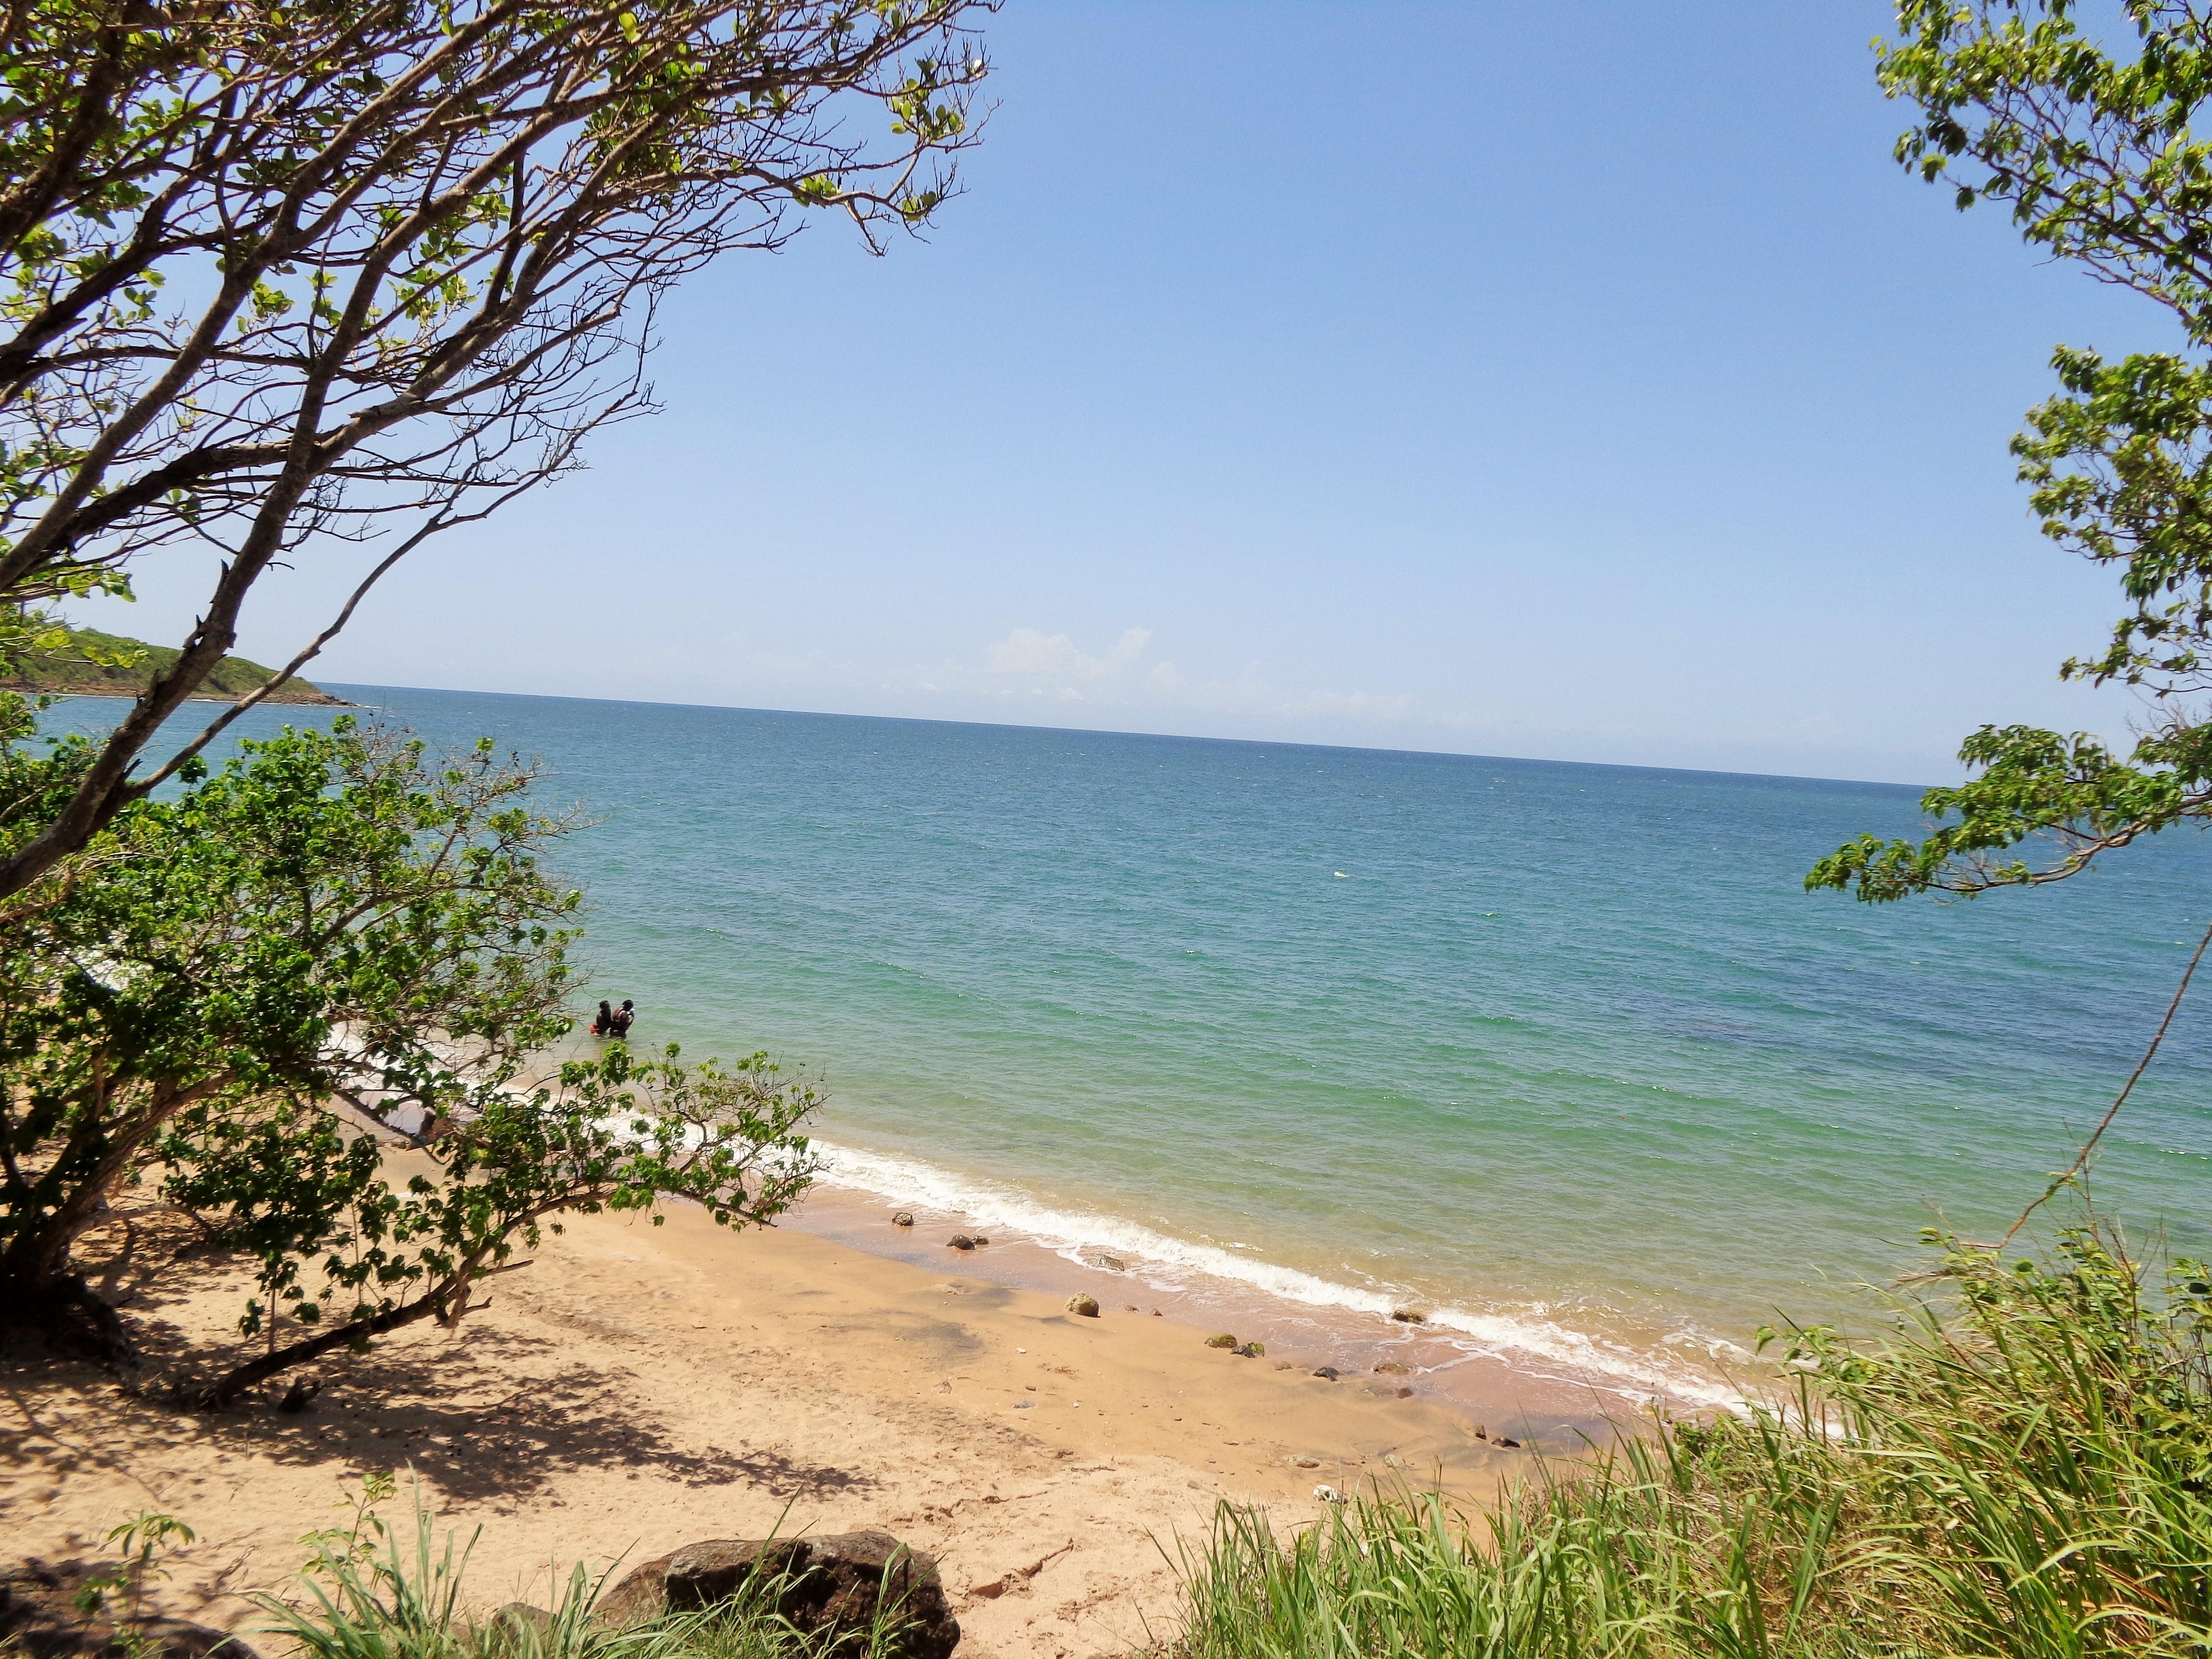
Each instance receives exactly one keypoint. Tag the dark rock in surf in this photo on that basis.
(902, 1217)
(960, 1242)
(1327, 1373)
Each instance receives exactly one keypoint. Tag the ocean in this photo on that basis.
(1562, 1052)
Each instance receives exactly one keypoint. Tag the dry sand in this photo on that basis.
(640, 1387)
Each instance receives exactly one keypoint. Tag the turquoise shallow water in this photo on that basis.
(1564, 1051)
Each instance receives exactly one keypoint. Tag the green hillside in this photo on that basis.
(67, 671)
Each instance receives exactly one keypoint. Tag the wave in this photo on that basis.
(1167, 1262)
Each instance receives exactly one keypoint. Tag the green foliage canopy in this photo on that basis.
(336, 1233)
(331, 916)
(276, 277)
(251, 992)
(2097, 152)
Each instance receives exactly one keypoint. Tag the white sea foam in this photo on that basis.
(1527, 1340)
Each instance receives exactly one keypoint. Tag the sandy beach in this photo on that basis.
(639, 1387)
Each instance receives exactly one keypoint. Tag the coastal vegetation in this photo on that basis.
(370, 1591)
(2100, 155)
(335, 943)
(285, 282)
(292, 282)
(302, 998)
(374, 1589)
(2021, 1468)
(84, 662)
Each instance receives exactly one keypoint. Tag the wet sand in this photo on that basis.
(1523, 1397)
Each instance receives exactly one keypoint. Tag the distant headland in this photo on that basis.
(71, 672)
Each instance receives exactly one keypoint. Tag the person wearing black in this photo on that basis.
(622, 1019)
(604, 1024)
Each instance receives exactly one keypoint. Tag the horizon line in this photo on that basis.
(1161, 737)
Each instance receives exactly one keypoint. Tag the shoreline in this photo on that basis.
(640, 1387)
(1491, 1365)
(1552, 1408)
(1550, 1381)
(275, 698)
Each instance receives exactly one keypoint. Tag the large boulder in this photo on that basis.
(832, 1585)
(39, 1615)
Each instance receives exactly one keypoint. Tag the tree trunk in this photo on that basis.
(34, 1265)
(233, 1383)
(63, 1311)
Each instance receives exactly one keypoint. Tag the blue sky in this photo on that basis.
(1580, 382)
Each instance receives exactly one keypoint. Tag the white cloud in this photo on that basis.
(1052, 668)
(1029, 651)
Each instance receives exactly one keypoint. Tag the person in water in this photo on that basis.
(623, 1017)
(604, 1024)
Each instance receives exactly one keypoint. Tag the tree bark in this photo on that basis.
(233, 1383)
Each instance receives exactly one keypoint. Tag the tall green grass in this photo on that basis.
(2024, 1473)
(368, 1594)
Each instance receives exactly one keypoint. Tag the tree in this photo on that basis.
(279, 277)
(251, 990)
(612, 1134)
(2099, 155)
(331, 918)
